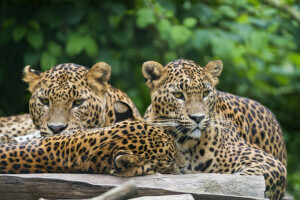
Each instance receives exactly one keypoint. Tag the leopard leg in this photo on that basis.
(272, 169)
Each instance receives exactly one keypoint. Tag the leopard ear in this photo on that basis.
(123, 112)
(153, 73)
(213, 70)
(124, 159)
(98, 77)
(32, 77)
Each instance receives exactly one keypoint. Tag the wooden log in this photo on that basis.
(288, 196)
(167, 197)
(122, 192)
(83, 186)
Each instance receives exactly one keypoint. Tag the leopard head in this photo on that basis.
(67, 96)
(183, 96)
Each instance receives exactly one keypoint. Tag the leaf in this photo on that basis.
(73, 16)
(31, 58)
(8, 22)
(63, 35)
(54, 49)
(97, 20)
(35, 39)
(259, 22)
(180, 34)
(122, 37)
(190, 22)
(259, 40)
(18, 33)
(148, 52)
(243, 19)
(90, 46)
(202, 38)
(204, 13)
(295, 57)
(222, 48)
(164, 28)
(114, 21)
(47, 61)
(145, 17)
(187, 5)
(118, 9)
(75, 45)
(227, 11)
(34, 24)
(170, 56)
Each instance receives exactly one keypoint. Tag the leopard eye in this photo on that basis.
(178, 95)
(78, 102)
(44, 101)
(206, 93)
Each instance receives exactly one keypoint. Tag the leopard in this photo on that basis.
(130, 147)
(217, 132)
(65, 97)
(15, 126)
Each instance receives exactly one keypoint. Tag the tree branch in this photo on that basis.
(286, 9)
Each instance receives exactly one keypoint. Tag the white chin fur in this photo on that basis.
(196, 133)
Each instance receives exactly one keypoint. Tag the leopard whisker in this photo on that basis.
(225, 120)
(178, 130)
(164, 124)
(226, 123)
(221, 127)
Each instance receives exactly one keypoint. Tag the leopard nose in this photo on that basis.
(57, 128)
(197, 118)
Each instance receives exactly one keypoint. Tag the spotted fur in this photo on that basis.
(128, 148)
(218, 132)
(14, 126)
(68, 97)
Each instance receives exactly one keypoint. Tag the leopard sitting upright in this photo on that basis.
(128, 148)
(218, 132)
(66, 97)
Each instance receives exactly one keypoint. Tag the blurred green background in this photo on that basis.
(258, 42)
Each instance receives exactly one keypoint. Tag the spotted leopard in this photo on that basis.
(14, 126)
(216, 131)
(67, 97)
(128, 148)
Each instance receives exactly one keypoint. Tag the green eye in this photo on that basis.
(78, 102)
(178, 95)
(205, 93)
(44, 101)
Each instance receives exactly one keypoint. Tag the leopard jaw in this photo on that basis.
(196, 133)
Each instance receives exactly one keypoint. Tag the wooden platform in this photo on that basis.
(85, 186)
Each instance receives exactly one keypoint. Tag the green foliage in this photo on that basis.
(258, 44)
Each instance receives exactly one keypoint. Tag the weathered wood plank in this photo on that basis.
(288, 196)
(62, 186)
(167, 197)
(122, 192)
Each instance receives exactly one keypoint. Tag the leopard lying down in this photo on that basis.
(128, 148)
(15, 126)
(66, 97)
